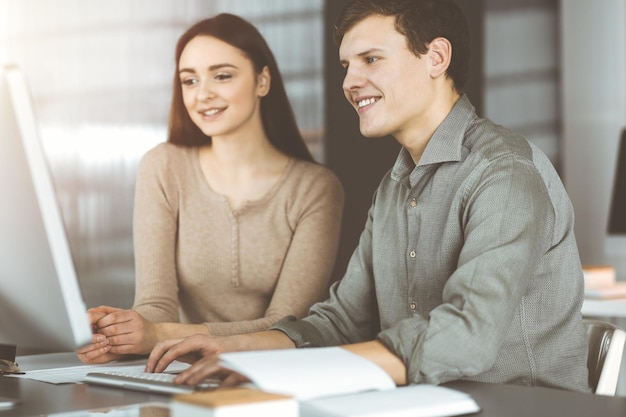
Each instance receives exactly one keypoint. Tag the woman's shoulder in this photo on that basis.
(166, 154)
(313, 171)
(311, 175)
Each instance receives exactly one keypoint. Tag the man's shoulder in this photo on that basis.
(493, 141)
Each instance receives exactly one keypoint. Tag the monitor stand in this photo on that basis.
(7, 352)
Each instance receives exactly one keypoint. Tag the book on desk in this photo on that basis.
(601, 283)
(321, 382)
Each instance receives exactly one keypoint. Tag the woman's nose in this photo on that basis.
(205, 92)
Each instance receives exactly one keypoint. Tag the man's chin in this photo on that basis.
(372, 133)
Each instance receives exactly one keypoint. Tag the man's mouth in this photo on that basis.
(366, 102)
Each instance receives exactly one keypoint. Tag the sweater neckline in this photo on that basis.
(248, 203)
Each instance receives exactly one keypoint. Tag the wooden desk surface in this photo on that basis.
(496, 400)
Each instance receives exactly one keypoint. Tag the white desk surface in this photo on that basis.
(604, 308)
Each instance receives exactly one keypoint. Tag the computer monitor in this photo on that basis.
(41, 305)
(616, 239)
(617, 215)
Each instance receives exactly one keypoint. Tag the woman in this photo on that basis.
(235, 226)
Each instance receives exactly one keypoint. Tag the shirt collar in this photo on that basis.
(445, 145)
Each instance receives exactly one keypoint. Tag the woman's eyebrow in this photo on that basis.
(210, 68)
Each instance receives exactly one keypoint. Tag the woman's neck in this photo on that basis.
(241, 170)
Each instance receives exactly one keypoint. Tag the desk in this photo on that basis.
(604, 308)
(39, 398)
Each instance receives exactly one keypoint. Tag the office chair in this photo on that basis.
(606, 347)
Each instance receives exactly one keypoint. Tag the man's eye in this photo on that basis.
(371, 59)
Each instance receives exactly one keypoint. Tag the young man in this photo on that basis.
(468, 267)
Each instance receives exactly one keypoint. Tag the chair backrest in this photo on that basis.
(606, 347)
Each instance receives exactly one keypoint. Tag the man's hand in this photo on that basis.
(200, 350)
(203, 352)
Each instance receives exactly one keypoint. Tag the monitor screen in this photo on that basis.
(617, 214)
(41, 306)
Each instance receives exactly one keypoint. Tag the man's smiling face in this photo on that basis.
(387, 84)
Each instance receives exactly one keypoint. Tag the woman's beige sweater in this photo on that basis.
(237, 271)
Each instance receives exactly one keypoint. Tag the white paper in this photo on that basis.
(308, 373)
(77, 374)
(410, 401)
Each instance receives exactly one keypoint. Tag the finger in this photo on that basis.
(167, 358)
(232, 379)
(105, 309)
(120, 333)
(95, 355)
(93, 317)
(199, 371)
(157, 353)
(97, 341)
(114, 318)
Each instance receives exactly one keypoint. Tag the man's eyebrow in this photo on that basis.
(367, 52)
(210, 68)
(370, 51)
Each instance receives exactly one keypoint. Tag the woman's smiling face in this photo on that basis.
(220, 88)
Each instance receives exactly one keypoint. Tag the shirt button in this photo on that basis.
(413, 306)
(412, 254)
(414, 202)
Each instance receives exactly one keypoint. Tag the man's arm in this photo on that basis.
(203, 351)
(208, 348)
(376, 352)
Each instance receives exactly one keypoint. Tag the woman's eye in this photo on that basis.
(223, 76)
(188, 81)
(371, 59)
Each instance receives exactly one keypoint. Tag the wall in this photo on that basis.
(593, 41)
(521, 70)
(593, 38)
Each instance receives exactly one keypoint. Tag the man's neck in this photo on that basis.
(417, 139)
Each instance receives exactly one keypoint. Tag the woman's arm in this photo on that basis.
(154, 237)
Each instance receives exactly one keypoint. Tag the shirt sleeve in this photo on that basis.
(349, 315)
(154, 238)
(508, 222)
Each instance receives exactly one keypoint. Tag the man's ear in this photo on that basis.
(439, 55)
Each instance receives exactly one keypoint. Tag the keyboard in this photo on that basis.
(161, 383)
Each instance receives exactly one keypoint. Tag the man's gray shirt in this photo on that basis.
(467, 267)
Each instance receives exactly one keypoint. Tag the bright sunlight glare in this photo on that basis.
(98, 145)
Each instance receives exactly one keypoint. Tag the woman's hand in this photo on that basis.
(97, 352)
(126, 331)
(117, 332)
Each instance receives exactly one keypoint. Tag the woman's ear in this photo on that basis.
(265, 80)
(439, 55)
